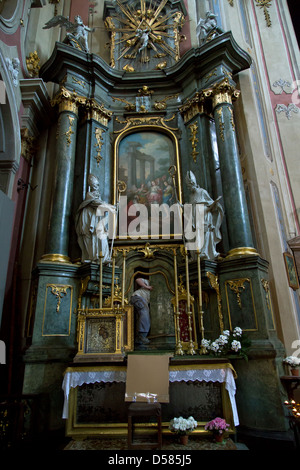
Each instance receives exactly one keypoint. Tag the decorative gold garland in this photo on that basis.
(265, 4)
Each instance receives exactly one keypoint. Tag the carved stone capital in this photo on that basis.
(67, 101)
(222, 93)
(97, 112)
(193, 107)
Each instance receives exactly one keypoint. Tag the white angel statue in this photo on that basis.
(77, 33)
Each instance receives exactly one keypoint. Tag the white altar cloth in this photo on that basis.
(74, 378)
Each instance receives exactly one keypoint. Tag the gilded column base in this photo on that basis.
(242, 251)
(56, 258)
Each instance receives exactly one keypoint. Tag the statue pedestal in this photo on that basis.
(52, 328)
(247, 303)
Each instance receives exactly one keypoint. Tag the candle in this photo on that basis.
(123, 278)
(100, 278)
(202, 349)
(113, 280)
(179, 350)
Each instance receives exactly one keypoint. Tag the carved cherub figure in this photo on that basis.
(77, 32)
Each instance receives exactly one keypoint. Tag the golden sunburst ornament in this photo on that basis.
(143, 32)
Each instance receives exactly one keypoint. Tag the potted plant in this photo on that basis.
(294, 363)
(182, 427)
(217, 426)
(230, 343)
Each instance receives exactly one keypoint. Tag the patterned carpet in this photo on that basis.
(169, 444)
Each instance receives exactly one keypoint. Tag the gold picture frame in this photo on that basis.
(149, 182)
(291, 270)
(105, 332)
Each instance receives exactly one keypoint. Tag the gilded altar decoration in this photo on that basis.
(266, 286)
(78, 82)
(238, 286)
(67, 100)
(59, 292)
(100, 332)
(265, 5)
(32, 63)
(222, 93)
(98, 145)
(128, 106)
(192, 107)
(69, 132)
(143, 101)
(232, 119)
(148, 121)
(211, 74)
(70, 101)
(162, 104)
(214, 282)
(183, 302)
(194, 129)
(143, 33)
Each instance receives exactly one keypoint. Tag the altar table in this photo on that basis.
(220, 372)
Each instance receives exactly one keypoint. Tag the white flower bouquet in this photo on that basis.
(292, 361)
(183, 426)
(228, 343)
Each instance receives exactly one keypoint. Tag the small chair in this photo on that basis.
(140, 409)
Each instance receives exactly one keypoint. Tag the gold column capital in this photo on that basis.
(97, 112)
(193, 106)
(222, 93)
(67, 100)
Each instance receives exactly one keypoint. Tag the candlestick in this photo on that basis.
(179, 350)
(100, 278)
(123, 278)
(191, 349)
(202, 348)
(113, 279)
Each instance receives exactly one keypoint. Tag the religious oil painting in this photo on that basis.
(148, 164)
(291, 271)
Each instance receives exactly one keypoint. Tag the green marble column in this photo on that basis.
(238, 224)
(58, 235)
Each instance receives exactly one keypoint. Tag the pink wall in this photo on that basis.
(186, 44)
(80, 7)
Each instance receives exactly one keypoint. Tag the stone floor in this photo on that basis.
(169, 444)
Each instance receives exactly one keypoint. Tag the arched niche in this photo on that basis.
(159, 269)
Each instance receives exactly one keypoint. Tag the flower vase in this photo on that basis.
(184, 439)
(218, 437)
(295, 372)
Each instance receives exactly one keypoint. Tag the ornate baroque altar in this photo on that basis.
(138, 126)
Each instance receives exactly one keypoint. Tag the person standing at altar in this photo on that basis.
(140, 299)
